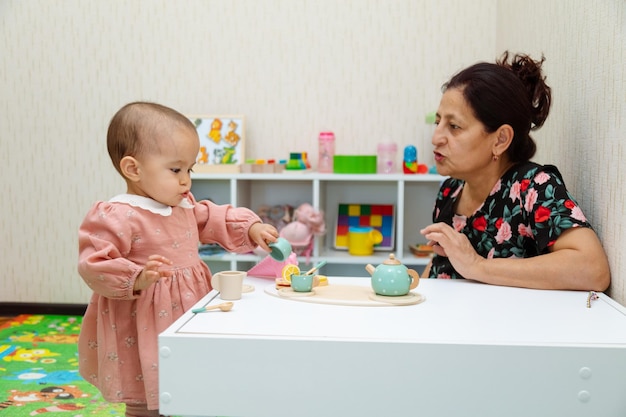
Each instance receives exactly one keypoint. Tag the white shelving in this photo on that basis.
(412, 195)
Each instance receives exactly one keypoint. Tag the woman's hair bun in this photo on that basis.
(528, 71)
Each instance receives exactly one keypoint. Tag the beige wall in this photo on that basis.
(585, 50)
(366, 69)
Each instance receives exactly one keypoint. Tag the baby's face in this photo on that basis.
(165, 174)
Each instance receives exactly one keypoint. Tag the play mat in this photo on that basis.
(39, 370)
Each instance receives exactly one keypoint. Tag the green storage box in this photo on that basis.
(354, 164)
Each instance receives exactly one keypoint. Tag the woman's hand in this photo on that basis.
(152, 272)
(455, 246)
(262, 234)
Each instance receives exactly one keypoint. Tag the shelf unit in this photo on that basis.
(412, 195)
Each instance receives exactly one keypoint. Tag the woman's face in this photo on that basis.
(462, 147)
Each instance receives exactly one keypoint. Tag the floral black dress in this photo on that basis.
(525, 212)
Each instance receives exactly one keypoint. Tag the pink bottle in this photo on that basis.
(326, 152)
(386, 158)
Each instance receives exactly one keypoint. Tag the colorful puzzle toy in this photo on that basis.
(378, 216)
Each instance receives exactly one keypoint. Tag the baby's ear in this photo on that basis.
(129, 167)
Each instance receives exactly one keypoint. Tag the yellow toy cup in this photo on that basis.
(361, 240)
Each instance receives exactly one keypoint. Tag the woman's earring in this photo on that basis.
(495, 157)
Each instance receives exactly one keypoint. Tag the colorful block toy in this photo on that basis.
(378, 216)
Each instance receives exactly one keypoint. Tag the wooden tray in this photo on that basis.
(350, 295)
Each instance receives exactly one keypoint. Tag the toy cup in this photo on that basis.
(281, 249)
(361, 240)
(304, 283)
(229, 284)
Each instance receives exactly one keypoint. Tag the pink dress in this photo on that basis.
(117, 346)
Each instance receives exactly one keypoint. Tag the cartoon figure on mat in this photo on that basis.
(232, 138)
(41, 377)
(6, 350)
(52, 395)
(20, 354)
(45, 338)
(216, 131)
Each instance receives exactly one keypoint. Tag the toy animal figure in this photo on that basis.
(226, 155)
(216, 131)
(232, 138)
(204, 156)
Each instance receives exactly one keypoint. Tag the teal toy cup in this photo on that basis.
(304, 283)
(281, 249)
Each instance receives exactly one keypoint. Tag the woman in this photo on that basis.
(499, 218)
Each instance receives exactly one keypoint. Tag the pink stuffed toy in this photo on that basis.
(307, 222)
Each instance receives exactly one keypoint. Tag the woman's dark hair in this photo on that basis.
(513, 93)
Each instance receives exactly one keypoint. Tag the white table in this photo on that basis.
(469, 350)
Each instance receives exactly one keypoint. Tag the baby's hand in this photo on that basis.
(262, 234)
(151, 272)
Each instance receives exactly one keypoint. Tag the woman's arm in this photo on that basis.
(576, 261)
(426, 272)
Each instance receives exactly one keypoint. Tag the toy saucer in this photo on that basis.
(244, 288)
(289, 292)
(400, 300)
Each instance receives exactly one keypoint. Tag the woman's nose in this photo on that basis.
(438, 136)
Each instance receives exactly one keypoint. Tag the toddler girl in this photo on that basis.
(138, 252)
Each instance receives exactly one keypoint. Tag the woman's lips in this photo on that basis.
(438, 157)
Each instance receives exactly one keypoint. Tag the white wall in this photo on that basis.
(366, 69)
(585, 50)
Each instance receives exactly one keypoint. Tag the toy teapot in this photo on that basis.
(391, 278)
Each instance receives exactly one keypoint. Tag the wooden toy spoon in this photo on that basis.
(223, 306)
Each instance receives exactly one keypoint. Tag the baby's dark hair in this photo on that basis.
(135, 129)
(510, 92)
